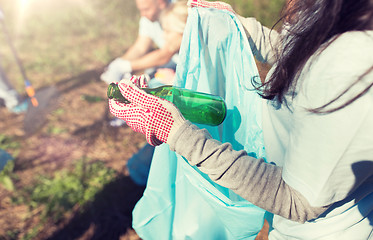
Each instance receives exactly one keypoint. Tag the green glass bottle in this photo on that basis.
(195, 106)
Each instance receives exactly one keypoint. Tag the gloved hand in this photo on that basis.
(156, 118)
(116, 70)
(142, 81)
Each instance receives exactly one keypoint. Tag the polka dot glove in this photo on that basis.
(141, 82)
(156, 118)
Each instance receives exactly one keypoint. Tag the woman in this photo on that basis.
(317, 124)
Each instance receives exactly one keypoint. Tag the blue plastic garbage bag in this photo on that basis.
(5, 157)
(139, 164)
(180, 202)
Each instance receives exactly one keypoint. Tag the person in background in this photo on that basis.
(317, 124)
(140, 57)
(10, 96)
(173, 20)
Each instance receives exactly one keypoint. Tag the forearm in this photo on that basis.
(141, 46)
(133, 53)
(253, 179)
(155, 58)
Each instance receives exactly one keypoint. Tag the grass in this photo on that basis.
(7, 176)
(62, 191)
(55, 196)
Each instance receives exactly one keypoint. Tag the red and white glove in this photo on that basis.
(141, 82)
(207, 4)
(156, 118)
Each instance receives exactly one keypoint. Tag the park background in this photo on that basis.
(68, 179)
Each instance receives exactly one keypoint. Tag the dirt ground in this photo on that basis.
(74, 129)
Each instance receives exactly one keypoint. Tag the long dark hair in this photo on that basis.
(311, 23)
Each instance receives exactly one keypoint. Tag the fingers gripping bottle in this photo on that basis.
(197, 107)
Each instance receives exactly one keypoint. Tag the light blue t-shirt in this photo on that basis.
(152, 30)
(155, 32)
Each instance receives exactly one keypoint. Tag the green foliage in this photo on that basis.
(92, 98)
(59, 112)
(7, 175)
(55, 130)
(32, 233)
(265, 11)
(58, 194)
(8, 143)
(12, 234)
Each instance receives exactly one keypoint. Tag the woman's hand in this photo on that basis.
(156, 118)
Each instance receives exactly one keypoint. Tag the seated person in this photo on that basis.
(137, 58)
(158, 65)
(173, 20)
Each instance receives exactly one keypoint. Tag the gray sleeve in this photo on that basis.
(258, 182)
(262, 40)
